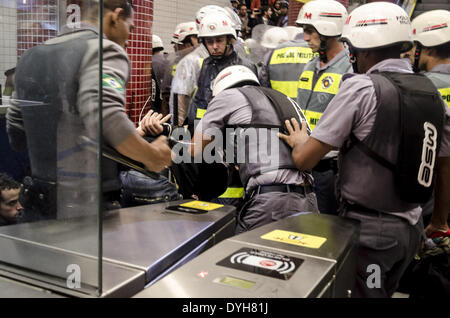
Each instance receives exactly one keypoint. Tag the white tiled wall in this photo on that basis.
(168, 13)
(8, 37)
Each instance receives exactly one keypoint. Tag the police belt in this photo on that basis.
(361, 209)
(326, 164)
(286, 188)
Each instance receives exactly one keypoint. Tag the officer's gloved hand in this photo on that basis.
(154, 124)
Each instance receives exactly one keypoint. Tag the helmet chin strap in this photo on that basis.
(323, 49)
(417, 53)
(353, 59)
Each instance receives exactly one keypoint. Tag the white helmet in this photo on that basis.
(236, 22)
(326, 16)
(157, 42)
(176, 35)
(186, 29)
(432, 28)
(216, 24)
(231, 76)
(203, 11)
(251, 43)
(293, 32)
(377, 25)
(274, 37)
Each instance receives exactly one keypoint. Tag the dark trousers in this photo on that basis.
(325, 189)
(269, 207)
(387, 245)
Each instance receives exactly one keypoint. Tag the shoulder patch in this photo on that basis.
(110, 81)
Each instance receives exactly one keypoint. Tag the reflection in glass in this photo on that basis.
(54, 101)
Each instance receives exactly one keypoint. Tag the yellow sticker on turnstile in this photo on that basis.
(201, 205)
(293, 238)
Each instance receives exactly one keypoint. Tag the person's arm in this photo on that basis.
(118, 131)
(198, 143)
(183, 106)
(184, 83)
(350, 111)
(155, 156)
(14, 126)
(306, 150)
(441, 210)
(165, 90)
(151, 124)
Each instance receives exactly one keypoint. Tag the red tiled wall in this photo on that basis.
(36, 23)
(140, 54)
(295, 6)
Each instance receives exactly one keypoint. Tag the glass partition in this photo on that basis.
(50, 70)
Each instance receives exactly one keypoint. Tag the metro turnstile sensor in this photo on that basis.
(149, 239)
(303, 256)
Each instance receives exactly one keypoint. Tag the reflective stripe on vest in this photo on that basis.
(327, 84)
(285, 67)
(441, 81)
(314, 100)
(200, 63)
(233, 193)
(174, 68)
(287, 88)
(312, 117)
(200, 113)
(247, 50)
(445, 92)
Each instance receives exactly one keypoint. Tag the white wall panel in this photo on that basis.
(8, 37)
(168, 13)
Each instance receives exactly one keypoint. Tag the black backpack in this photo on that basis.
(421, 118)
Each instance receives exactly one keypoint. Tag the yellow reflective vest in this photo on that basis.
(286, 64)
(315, 90)
(442, 82)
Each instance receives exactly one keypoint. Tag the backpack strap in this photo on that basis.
(377, 78)
(369, 152)
(284, 107)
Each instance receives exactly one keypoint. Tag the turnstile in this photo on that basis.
(140, 245)
(13, 289)
(302, 256)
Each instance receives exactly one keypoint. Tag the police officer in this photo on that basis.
(158, 70)
(184, 84)
(431, 54)
(284, 65)
(274, 188)
(185, 40)
(283, 19)
(159, 63)
(358, 120)
(63, 170)
(216, 34)
(322, 23)
(431, 33)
